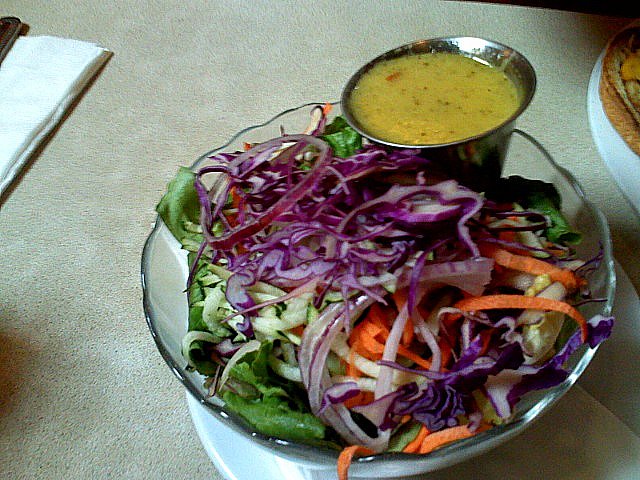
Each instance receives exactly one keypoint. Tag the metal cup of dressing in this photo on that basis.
(475, 161)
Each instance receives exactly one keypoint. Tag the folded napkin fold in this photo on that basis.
(40, 78)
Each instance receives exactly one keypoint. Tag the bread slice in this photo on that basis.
(620, 85)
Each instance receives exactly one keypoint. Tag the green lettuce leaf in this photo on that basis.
(539, 196)
(344, 140)
(179, 208)
(403, 436)
(200, 353)
(560, 231)
(274, 407)
(568, 329)
(272, 417)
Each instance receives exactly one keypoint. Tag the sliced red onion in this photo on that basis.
(237, 290)
(338, 393)
(427, 336)
(471, 276)
(377, 411)
(314, 348)
(339, 417)
(383, 385)
(312, 357)
(497, 389)
(450, 192)
(417, 273)
(227, 348)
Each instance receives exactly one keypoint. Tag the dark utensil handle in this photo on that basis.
(9, 30)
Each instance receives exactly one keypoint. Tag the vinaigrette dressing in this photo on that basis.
(432, 98)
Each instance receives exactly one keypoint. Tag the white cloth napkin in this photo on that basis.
(40, 78)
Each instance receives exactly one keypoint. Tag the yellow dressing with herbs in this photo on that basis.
(432, 98)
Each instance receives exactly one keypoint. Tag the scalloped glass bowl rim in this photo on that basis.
(444, 456)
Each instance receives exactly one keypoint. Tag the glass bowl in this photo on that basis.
(164, 274)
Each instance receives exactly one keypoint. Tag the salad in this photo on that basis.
(353, 296)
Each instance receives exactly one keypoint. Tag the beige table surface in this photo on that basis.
(83, 391)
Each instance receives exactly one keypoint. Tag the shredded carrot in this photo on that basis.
(326, 109)
(408, 333)
(492, 302)
(423, 310)
(353, 371)
(534, 266)
(232, 218)
(363, 341)
(400, 297)
(369, 348)
(485, 336)
(379, 316)
(298, 331)
(247, 146)
(362, 398)
(442, 437)
(373, 329)
(366, 337)
(414, 445)
(414, 357)
(346, 458)
(235, 198)
(507, 236)
(369, 336)
(446, 352)
(484, 426)
(553, 249)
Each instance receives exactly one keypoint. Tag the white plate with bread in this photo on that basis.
(613, 103)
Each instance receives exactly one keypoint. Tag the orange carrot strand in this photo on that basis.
(414, 357)
(362, 398)
(407, 333)
(493, 302)
(534, 266)
(414, 445)
(299, 330)
(438, 439)
(346, 458)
